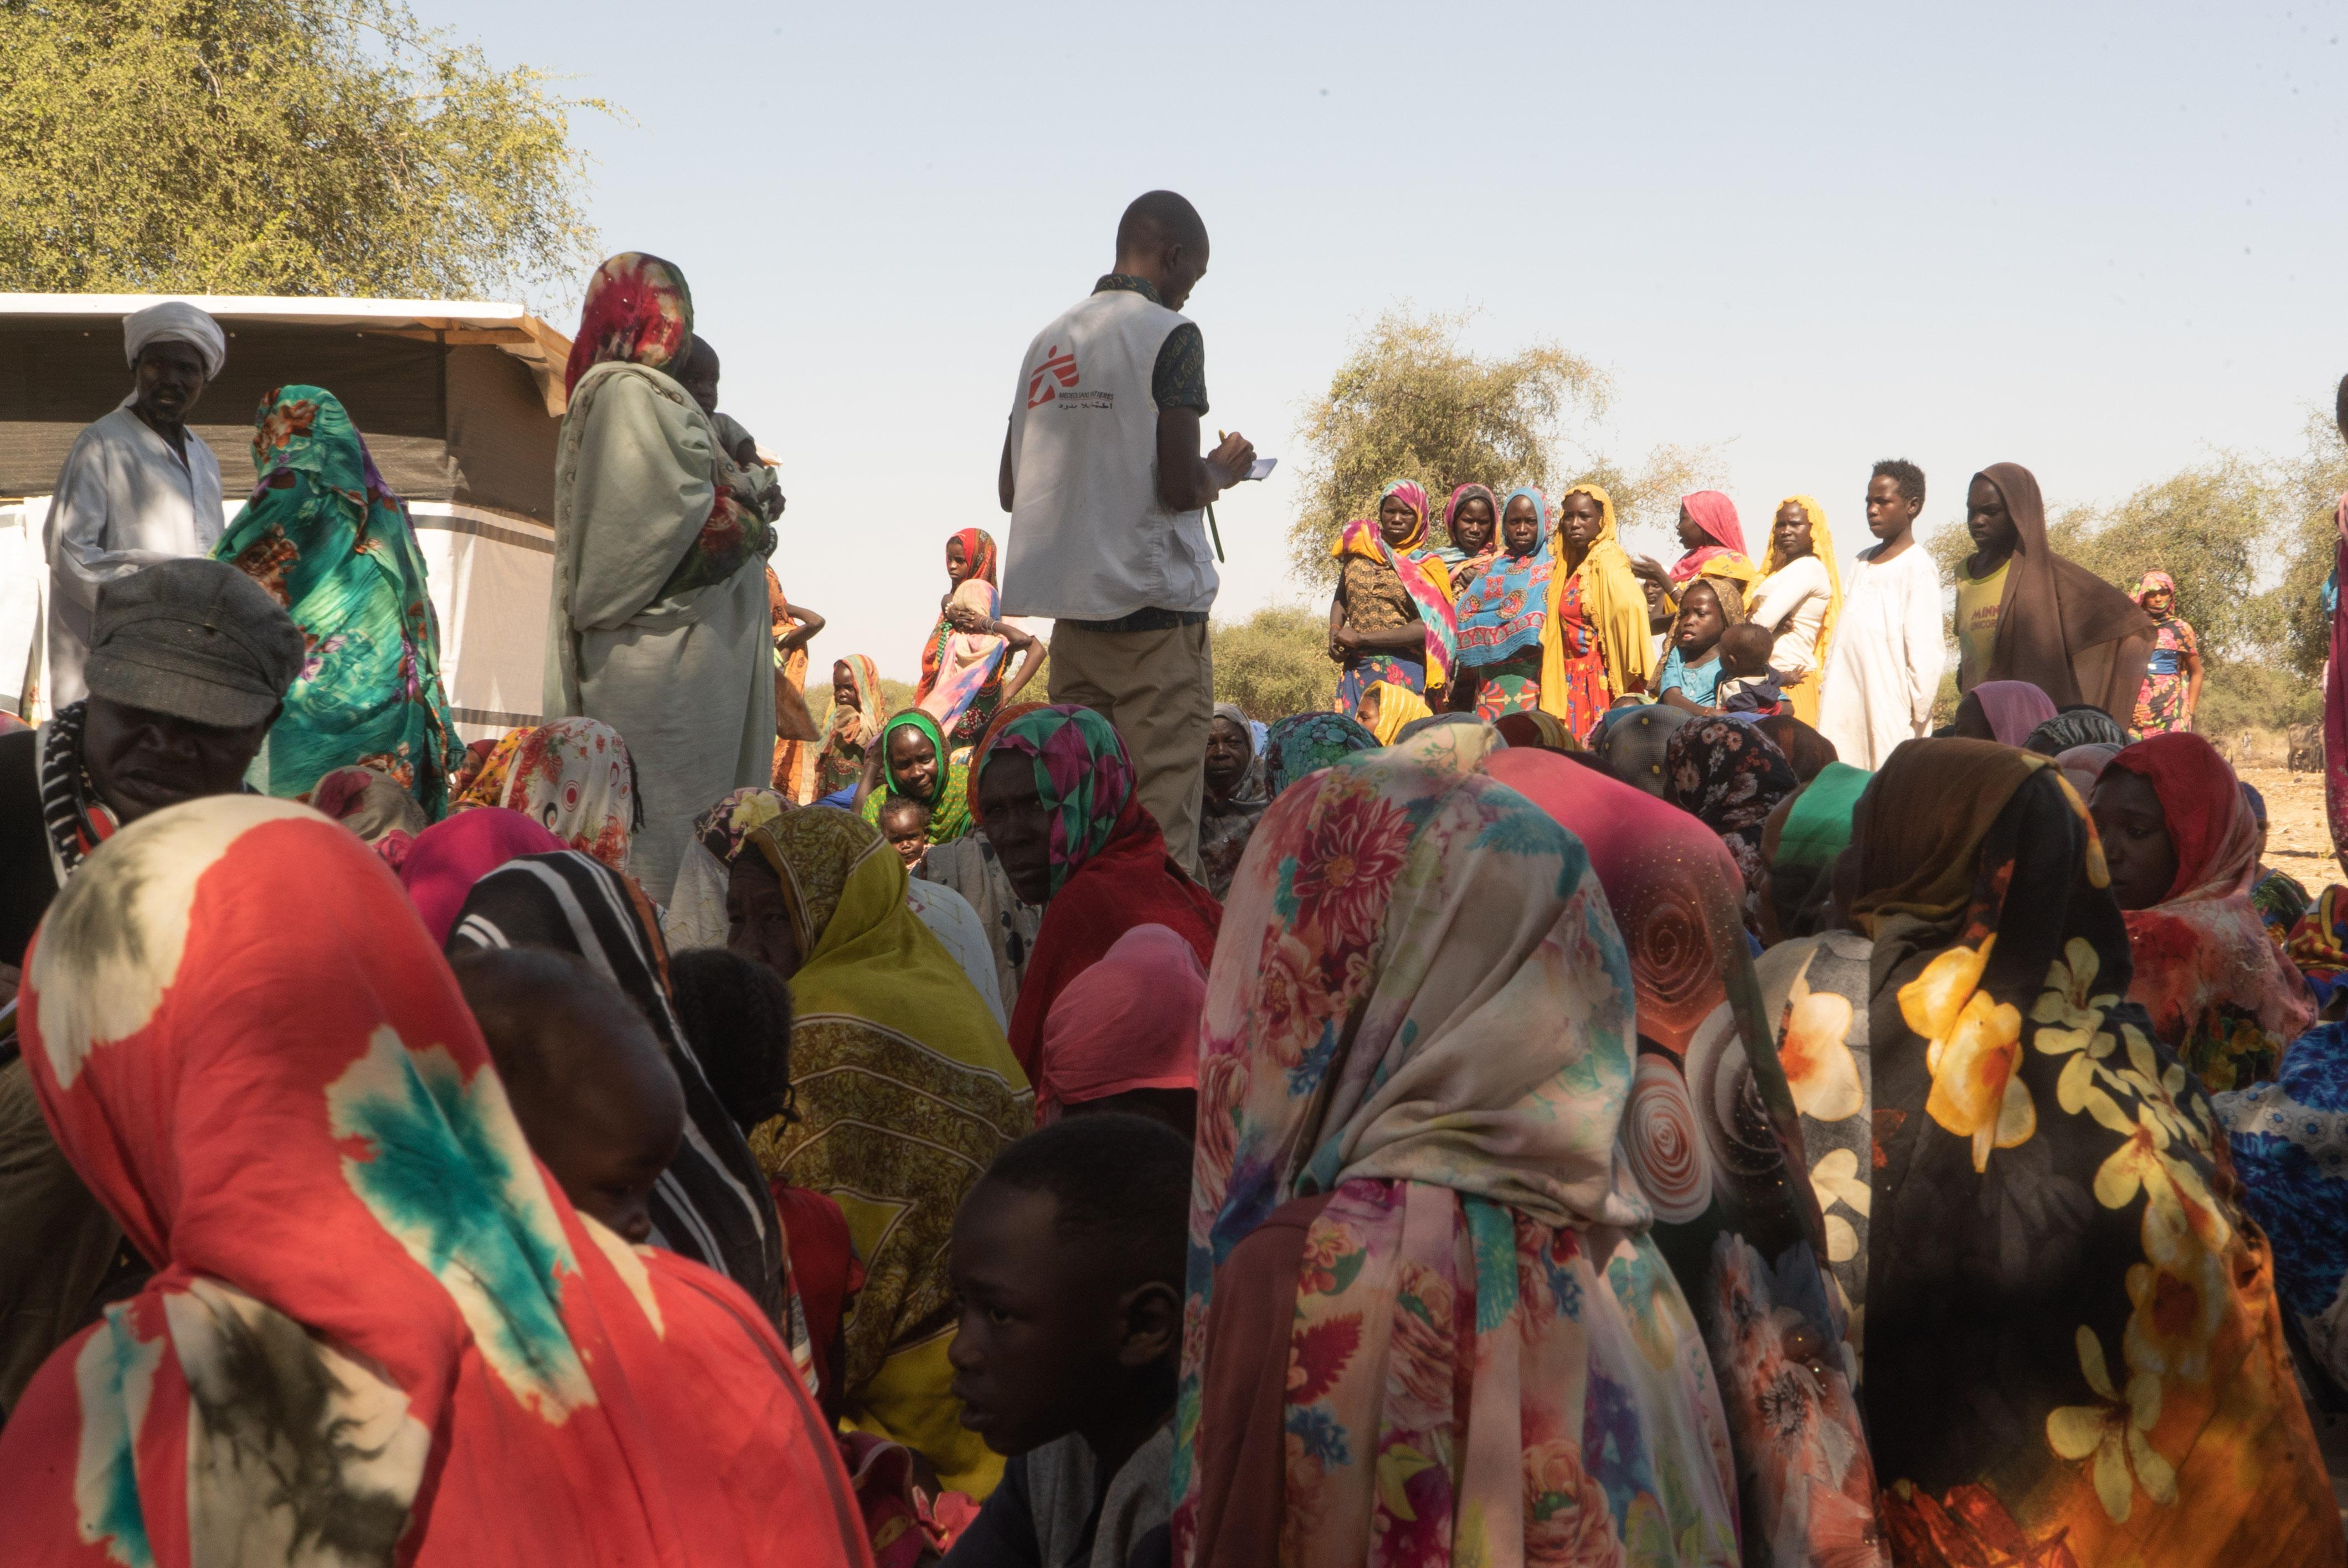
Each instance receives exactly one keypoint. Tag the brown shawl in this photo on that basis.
(2060, 627)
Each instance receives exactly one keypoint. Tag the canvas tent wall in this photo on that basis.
(460, 403)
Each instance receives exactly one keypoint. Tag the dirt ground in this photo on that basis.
(2297, 840)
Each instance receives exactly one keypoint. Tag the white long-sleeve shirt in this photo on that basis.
(125, 500)
(1792, 602)
(1884, 669)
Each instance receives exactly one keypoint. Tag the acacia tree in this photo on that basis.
(1412, 401)
(295, 147)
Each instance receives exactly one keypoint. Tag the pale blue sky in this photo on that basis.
(2098, 240)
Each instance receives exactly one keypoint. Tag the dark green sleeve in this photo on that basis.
(1180, 380)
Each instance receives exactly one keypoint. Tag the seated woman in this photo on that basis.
(913, 752)
(1234, 797)
(2040, 1197)
(449, 856)
(365, 1278)
(1472, 520)
(707, 1206)
(905, 1091)
(1124, 1035)
(1731, 777)
(1798, 598)
(574, 777)
(2007, 711)
(1417, 1277)
(2182, 849)
(1303, 743)
(1385, 709)
(1391, 617)
(696, 915)
(331, 543)
(1635, 742)
(1055, 797)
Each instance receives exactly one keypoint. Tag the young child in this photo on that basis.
(699, 375)
(1690, 677)
(905, 824)
(1067, 1257)
(1748, 687)
(585, 1075)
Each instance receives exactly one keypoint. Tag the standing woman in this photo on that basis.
(1595, 604)
(963, 685)
(2172, 670)
(1472, 519)
(1798, 598)
(1502, 613)
(793, 627)
(328, 539)
(1708, 530)
(1390, 618)
(660, 586)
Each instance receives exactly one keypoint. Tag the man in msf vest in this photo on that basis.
(1107, 491)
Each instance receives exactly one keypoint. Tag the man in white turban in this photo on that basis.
(137, 487)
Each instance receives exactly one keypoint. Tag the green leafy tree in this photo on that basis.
(1275, 662)
(298, 147)
(2307, 542)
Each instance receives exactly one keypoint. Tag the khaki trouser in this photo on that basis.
(1158, 689)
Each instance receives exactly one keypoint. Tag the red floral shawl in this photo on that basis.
(2219, 993)
(378, 1332)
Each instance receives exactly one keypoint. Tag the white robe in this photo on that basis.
(1884, 669)
(688, 681)
(124, 500)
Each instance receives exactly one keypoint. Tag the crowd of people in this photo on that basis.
(1618, 1087)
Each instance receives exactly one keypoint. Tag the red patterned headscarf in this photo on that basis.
(638, 310)
(978, 549)
(364, 1280)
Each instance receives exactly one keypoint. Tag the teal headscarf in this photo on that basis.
(1083, 776)
(335, 547)
(1306, 743)
(949, 802)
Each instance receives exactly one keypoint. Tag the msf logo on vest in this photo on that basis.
(1055, 374)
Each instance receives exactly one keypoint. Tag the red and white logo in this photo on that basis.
(1058, 367)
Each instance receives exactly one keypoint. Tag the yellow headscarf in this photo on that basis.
(1397, 706)
(1803, 693)
(1612, 599)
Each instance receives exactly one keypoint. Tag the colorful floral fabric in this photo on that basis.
(2219, 993)
(2160, 704)
(2318, 947)
(638, 311)
(2046, 1202)
(2289, 1139)
(367, 1286)
(334, 547)
(1490, 1361)
(906, 1091)
(1424, 577)
(1306, 743)
(1707, 1132)
(575, 778)
(1732, 779)
(949, 798)
(850, 729)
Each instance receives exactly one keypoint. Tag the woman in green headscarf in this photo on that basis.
(326, 537)
(910, 761)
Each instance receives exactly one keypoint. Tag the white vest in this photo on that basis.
(1090, 539)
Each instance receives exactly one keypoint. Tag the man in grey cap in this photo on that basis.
(137, 487)
(187, 669)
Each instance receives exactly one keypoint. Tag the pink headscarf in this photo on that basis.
(2013, 709)
(1716, 514)
(2083, 766)
(446, 858)
(1130, 1021)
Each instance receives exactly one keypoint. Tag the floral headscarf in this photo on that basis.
(638, 310)
(1434, 1025)
(1082, 774)
(1303, 744)
(723, 826)
(2045, 1201)
(365, 1276)
(2150, 580)
(488, 784)
(334, 547)
(575, 778)
(1732, 778)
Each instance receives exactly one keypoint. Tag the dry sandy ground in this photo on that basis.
(2297, 840)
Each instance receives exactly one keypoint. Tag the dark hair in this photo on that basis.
(737, 1015)
(1747, 634)
(1908, 477)
(900, 803)
(517, 995)
(2080, 724)
(2340, 404)
(1123, 1186)
(1163, 215)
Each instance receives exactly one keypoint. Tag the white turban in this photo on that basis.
(176, 321)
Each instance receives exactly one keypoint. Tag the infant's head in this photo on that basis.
(905, 824)
(1744, 650)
